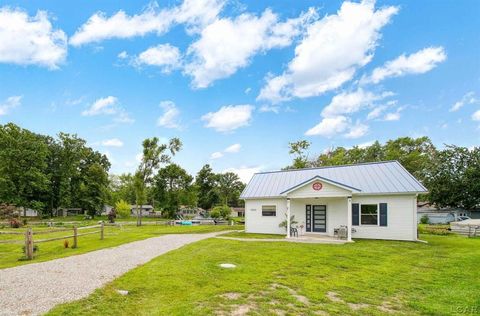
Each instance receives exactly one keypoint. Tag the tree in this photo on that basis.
(121, 187)
(229, 187)
(154, 154)
(93, 188)
(222, 211)
(173, 187)
(23, 156)
(123, 208)
(453, 178)
(206, 182)
(299, 150)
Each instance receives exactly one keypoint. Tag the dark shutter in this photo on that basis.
(383, 214)
(355, 214)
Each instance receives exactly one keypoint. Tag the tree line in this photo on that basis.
(50, 173)
(451, 174)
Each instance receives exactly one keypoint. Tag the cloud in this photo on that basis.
(194, 13)
(114, 142)
(329, 126)
(269, 108)
(468, 98)
(9, 104)
(26, 40)
(357, 131)
(235, 148)
(227, 44)
(351, 102)
(216, 155)
(244, 173)
(376, 112)
(366, 144)
(169, 118)
(108, 106)
(417, 63)
(229, 118)
(165, 56)
(476, 116)
(331, 52)
(123, 55)
(393, 116)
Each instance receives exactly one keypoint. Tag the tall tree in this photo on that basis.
(299, 150)
(206, 183)
(154, 154)
(23, 156)
(229, 186)
(453, 178)
(173, 187)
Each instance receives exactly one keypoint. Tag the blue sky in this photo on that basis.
(237, 80)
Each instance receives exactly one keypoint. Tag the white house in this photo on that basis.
(372, 200)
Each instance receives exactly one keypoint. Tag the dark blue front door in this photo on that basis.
(319, 218)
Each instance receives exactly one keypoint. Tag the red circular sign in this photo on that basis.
(317, 186)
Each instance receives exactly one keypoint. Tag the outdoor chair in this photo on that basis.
(293, 232)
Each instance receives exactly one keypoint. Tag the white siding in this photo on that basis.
(256, 223)
(328, 190)
(401, 218)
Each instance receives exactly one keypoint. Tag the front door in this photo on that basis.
(319, 220)
(316, 218)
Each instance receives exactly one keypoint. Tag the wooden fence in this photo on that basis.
(30, 241)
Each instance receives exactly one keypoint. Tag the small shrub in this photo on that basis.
(15, 223)
(25, 221)
(424, 219)
(65, 243)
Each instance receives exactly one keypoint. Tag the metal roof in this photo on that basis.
(367, 178)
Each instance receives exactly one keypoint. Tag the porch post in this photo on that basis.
(349, 218)
(288, 218)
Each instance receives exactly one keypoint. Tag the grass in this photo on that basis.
(255, 236)
(367, 277)
(11, 254)
(438, 229)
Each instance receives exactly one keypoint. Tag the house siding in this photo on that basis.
(401, 215)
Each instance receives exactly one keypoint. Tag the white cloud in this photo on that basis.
(417, 63)
(331, 51)
(329, 126)
(235, 148)
(114, 142)
(393, 116)
(229, 118)
(194, 13)
(169, 118)
(108, 106)
(102, 106)
(216, 155)
(227, 44)
(476, 116)
(26, 40)
(351, 102)
(357, 131)
(366, 144)
(123, 55)
(468, 98)
(9, 104)
(165, 56)
(376, 112)
(244, 173)
(269, 108)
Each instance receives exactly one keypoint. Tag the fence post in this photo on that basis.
(29, 244)
(101, 230)
(75, 233)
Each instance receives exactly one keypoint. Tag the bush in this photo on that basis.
(65, 243)
(123, 209)
(221, 212)
(15, 223)
(424, 219)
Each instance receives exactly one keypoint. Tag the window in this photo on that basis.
(369, 214)
(269, 210)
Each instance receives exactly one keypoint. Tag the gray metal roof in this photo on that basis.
(367, 178)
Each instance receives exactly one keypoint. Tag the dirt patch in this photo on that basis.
(279, 312)
(332, 296)
(321, 313)
(242, 310)
(231, 295)
(302, 299)
(358, 306)
(391, 306)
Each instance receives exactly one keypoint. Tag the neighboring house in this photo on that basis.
(373, 200)
(144, 209)
(443, 215)
(190, 211)
(106, 209)
(70, 211)
(238, 211)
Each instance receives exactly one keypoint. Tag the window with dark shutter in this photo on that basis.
(355, 214)
(383, 214)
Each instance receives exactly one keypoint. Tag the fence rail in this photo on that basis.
(29, 234)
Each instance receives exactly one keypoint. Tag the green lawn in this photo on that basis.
(255, 236)
(10, 254)
(367, 277)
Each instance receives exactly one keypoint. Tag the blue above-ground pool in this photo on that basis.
(186, 223)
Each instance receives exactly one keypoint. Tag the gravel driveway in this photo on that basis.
(35, 288)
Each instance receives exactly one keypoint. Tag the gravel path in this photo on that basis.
(35, 288)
